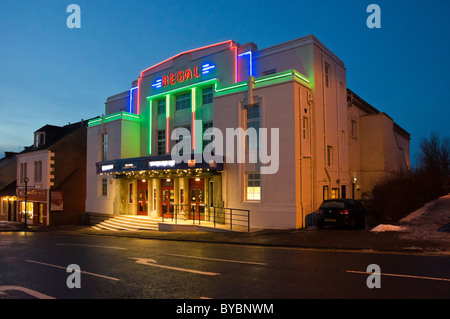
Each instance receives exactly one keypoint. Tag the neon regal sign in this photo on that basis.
(183, 75)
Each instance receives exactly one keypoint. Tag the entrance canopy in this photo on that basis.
(153, 163)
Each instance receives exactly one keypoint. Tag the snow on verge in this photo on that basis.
(384, 227)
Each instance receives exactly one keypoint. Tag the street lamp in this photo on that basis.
(26, 192)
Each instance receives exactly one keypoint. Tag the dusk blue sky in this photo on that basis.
(50, 74)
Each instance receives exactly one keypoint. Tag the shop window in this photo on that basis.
(207, 95)
(161, 107)
(161, 142)
(183, 101)
(253, 187)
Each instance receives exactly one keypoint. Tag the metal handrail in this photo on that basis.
(240, 217)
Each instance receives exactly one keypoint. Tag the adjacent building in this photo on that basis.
(8, 199)
(273, 130)
(51, 176)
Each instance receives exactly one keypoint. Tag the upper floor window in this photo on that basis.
(207, 95)
(39, 139)
(354, 129)
(161, 107)
(329, 155)
(38, 171)
(23, 172)
(183, 101)
(161, 142)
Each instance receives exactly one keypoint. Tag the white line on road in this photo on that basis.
(94, 246)
(396, 275)
(153, 263)
(65, 268)
(33, 293)
(216, 259)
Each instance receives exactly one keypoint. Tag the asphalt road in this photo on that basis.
(34, 265)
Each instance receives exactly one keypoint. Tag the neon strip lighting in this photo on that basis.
(157, 84)
(193, 117)
(138, 109)
(131, 99)
(114, 117)
(190, 51)
(150, 126)
(206, 67)
(250, 59)
(235, 64)
(167, 122)
(231, 87)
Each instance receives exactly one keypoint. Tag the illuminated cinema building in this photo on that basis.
(330, 143)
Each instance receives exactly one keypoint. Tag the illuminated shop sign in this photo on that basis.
(170, 163)
(183, 75)
(107, 167)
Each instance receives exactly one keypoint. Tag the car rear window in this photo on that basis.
(330, 204)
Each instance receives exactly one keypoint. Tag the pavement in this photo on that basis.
(424, 231)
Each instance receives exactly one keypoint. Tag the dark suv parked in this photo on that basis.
(344, 212)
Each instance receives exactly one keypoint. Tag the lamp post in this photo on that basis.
(26, 192)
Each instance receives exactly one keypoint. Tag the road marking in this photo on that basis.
(216, 259)
(396, 275)
(154, 263)
(94, 246)
(33, 293)
(65, 268)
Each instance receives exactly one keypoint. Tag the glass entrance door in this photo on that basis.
(197, 199)
(167, 201)
(142, 192)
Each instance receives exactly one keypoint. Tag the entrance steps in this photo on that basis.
(128, 222)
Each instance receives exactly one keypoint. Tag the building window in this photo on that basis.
(327, 75)
(23, 172)
(39, 139)
(329, 155)
(305, 128)
(354, 129)
(325, 192)
(161, 107)
(38, 171)
(130, 193)
(104, 187)
(183, 101)
(335, 193)
(253, 121)
(161, 142)
(253, 186)
(207, 95)
(104, 146)
(207, 141)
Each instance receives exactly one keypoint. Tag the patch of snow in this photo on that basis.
(384, 227)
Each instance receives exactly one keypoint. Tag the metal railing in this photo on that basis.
(220, 217)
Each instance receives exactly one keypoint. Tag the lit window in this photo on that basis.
(253, 186)
(327, 74)
(329, 155)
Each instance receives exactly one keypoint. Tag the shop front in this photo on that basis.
(167, 190)
(33, 205)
